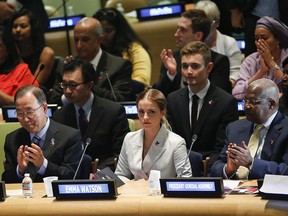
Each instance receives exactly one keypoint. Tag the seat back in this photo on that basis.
(85, 167)
(196, 164)
(5, 128)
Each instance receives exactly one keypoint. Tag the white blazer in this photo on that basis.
(168, 154)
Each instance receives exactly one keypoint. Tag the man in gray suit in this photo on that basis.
(104, 122)
(214, 107)
(42, 146)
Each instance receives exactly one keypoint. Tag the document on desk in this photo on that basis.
(275, 184)
(17, 192)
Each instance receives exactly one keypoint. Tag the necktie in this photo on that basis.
(83, 122)
(37, 140)
(194, 112)
(253, 146)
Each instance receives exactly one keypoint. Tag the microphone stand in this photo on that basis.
(66, 28)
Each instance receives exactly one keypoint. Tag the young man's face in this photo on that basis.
(184, 33)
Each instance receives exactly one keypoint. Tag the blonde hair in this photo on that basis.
(156, 96)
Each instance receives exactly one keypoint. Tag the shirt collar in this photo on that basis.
(269, 121)
(42, 133)
(96, 59)
(87, 106)
(201, 94)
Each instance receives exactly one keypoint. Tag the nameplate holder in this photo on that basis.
(84, 189)
(3, 194)
(207, 187)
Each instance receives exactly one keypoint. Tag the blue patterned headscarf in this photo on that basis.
(278, 29)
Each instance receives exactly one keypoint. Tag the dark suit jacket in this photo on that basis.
(119, 72)
(274, 155)
(219, 108)
(62, 148)
(246, 6)
(218, 76)
(107, 128)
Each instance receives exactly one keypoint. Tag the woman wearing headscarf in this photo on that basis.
(271, 39)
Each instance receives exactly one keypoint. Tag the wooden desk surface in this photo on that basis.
(133, 200)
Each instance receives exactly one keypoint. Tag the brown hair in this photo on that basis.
(156, 96)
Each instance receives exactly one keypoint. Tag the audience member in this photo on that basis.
(29, 37)
(154, 147)
(13, 73)
(244, 15)
(221, 43)
(105, 121)
(35, 6)
(192, 26)
(271, 39)
(113, 74)
(42, 146)
(201, 108)
(256, 145)
(121, 40)
(283, 101)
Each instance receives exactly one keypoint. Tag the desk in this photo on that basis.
(133, 200)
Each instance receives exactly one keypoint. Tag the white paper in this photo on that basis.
(275, 184)
(230, 184)
(17, 192)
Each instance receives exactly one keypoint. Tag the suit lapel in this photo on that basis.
(156, 150)
(95, 117)
(51, 139)
(210, 101)
(184, 100)
(271, 137)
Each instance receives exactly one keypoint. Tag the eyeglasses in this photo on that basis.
(29, 113)
(105, 14)
(150, 113)
(252, 102)
(71, 86)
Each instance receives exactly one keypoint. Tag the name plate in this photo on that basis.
(84, 189)
(192, 187)
(3, 194)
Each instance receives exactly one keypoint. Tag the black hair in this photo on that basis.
(124, 35)
(13, 57)
(87, 69)
(37, 33)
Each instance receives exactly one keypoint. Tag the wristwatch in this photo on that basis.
(275, 68)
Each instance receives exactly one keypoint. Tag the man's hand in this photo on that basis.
(34, 154)
(21, 159)
(240, 156)
(169, 61)
(6, 11)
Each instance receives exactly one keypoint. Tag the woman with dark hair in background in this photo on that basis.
(121, 40)
(13, 73)
(30, 40)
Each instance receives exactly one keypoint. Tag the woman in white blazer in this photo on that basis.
(154, 147)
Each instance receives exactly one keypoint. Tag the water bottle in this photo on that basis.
(27, 186)
(120, 8)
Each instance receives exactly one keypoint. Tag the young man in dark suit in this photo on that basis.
(192, 26)
(270, 156)
(42, 146)
(113, 73)
(212, 111)
(105, 121)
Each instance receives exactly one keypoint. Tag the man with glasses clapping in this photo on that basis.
(41, 147)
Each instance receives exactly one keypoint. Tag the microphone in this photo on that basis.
(111, 87)
(42, 66)
(194, 138)
(88, 141)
